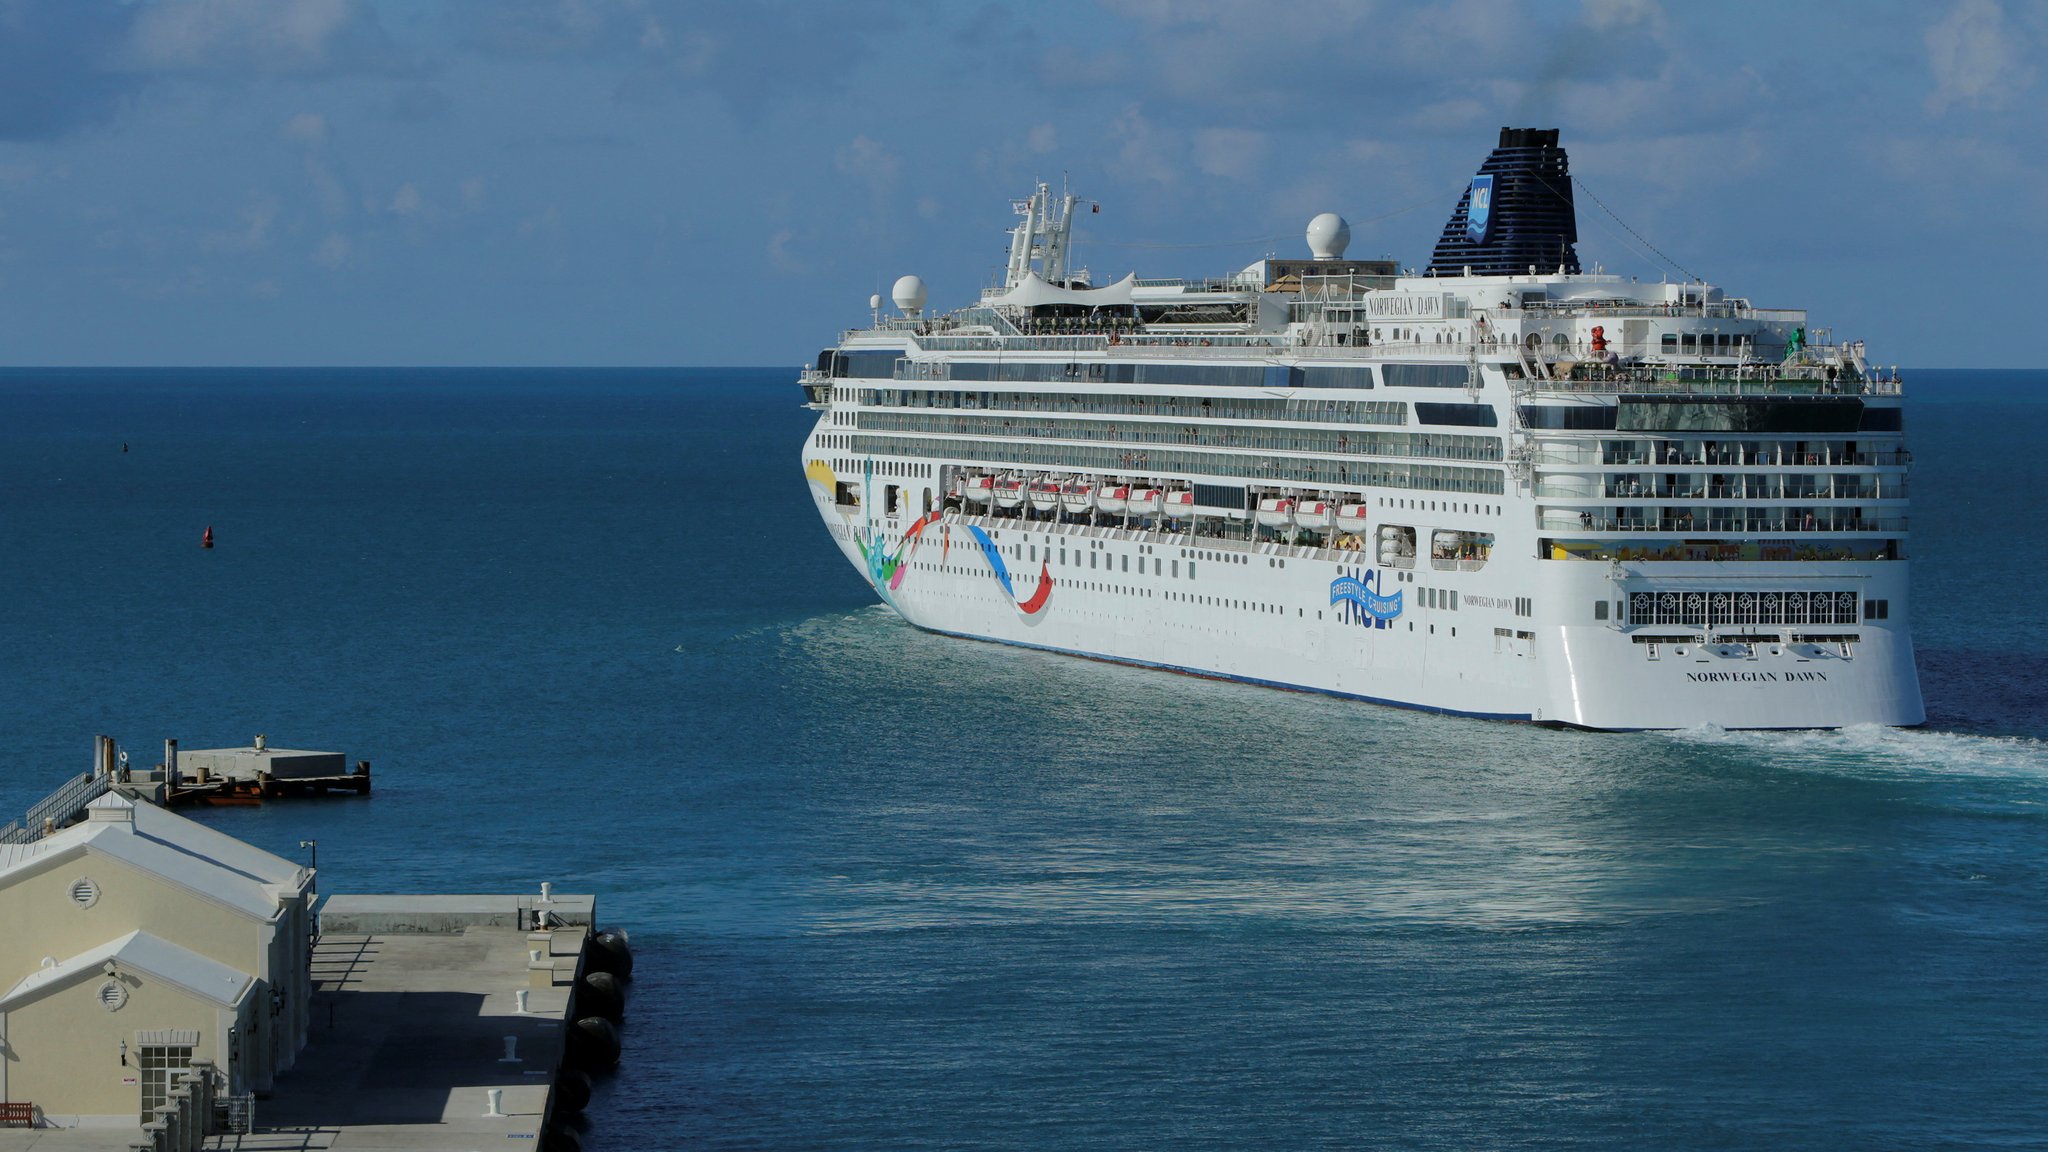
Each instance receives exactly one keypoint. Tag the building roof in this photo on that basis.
(150, 955)
(166, 845)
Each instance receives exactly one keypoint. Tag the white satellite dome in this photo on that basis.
(1328, 235)
(908, 295)
(875, 301)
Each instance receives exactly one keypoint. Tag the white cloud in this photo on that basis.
(1141, 149)
(1606, 15)
(308, 127)
(333, 251)
(407, 200)
(866, 160)
(1234, 152)
(1975, 58)
(257, 220)
(781, 257)
(265, 35)
(1042, 138)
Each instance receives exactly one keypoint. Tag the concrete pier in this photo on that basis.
(417, 1039)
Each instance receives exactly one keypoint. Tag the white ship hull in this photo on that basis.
(1241, 616)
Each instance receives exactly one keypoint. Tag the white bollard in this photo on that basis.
(511, 1055)
(496, 1096)
(520, 996)
(547, 892)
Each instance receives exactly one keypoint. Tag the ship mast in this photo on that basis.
(1042, 237)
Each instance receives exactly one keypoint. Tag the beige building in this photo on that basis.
(140, 940)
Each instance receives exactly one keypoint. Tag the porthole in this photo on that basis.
(112, 995)
(84, 892)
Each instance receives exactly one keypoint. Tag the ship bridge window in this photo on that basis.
(1426, 375)
(1882, 420)
(1745, 414)
(1325, 376)
(1584, 417)
(1468, 415)
(866, 364)
(1669, 344)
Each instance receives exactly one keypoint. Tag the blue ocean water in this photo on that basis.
(895, 890)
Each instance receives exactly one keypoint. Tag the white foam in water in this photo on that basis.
(1870, 749)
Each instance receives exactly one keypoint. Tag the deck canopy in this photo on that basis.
(1034, 291)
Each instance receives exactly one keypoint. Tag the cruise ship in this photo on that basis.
(1500, 487)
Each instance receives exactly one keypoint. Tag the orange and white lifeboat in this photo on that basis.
(1045, 495)
(1112, 499)
(977, 489)
(1351, 518)
(1145, 501)
(1313, 515)
(1276, 512)
(1179, 504)
(1078, 498)
(1009, 492)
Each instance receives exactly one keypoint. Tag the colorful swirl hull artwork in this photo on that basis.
(887, 570)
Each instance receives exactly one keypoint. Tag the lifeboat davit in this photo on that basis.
(1078, 499)
(977, 489)
(1313, 515)
(1112, 499)
(1144, 501)
(1179, 504)
(1276, 512)
(1045, 495)
(1351, 517)
(1009, 493)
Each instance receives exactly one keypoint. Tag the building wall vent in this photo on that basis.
(113, 995)
(84, 892)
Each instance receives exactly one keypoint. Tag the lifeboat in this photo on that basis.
(977, 489)
(1112, 499)
(1276, 512)
(1144, 501)
(1078, 499)
(1009, 492)
(1313, 515)
(1045, 495)
(1179, 504)
(1351, 517)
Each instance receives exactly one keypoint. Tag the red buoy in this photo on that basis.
(206, 541)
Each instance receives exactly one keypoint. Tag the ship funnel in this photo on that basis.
(1516, 214)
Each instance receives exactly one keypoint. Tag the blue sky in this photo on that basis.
(600, 182)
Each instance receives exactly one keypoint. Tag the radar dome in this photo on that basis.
(875, 301)
(1328, 235)
(908, 295)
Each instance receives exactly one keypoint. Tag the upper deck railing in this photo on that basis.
(1713, 310)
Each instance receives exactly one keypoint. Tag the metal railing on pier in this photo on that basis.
(59, 808)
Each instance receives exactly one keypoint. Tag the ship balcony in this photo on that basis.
(1723, 521)
(1745, 488)
(1707, 374)
(1638, 454)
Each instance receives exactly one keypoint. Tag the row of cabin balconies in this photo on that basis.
(1747, 487)
(1670, 454)
(1709, 520)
